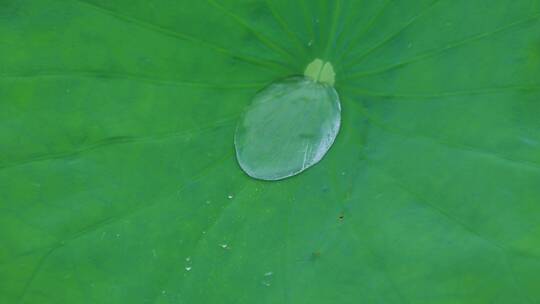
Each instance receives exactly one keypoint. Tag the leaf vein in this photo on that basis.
(446, 48)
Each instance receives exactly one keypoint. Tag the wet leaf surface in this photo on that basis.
(119, 181)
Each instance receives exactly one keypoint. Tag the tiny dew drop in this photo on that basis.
(290, 125)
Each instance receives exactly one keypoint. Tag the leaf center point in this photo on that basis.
(321, 71)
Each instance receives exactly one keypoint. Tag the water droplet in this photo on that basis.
(188, 259)
(163, 292)
(188, 268)
(267, 284)
(290, 125)
(224, 246)
(229, 196)
(268, 274)
(310, 43)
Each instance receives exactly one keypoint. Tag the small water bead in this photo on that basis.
(290, 125)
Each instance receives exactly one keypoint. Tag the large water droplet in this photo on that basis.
(290, 125)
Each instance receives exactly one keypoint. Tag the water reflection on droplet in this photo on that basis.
(267, 278)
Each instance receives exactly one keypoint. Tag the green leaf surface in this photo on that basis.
(118, 177)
